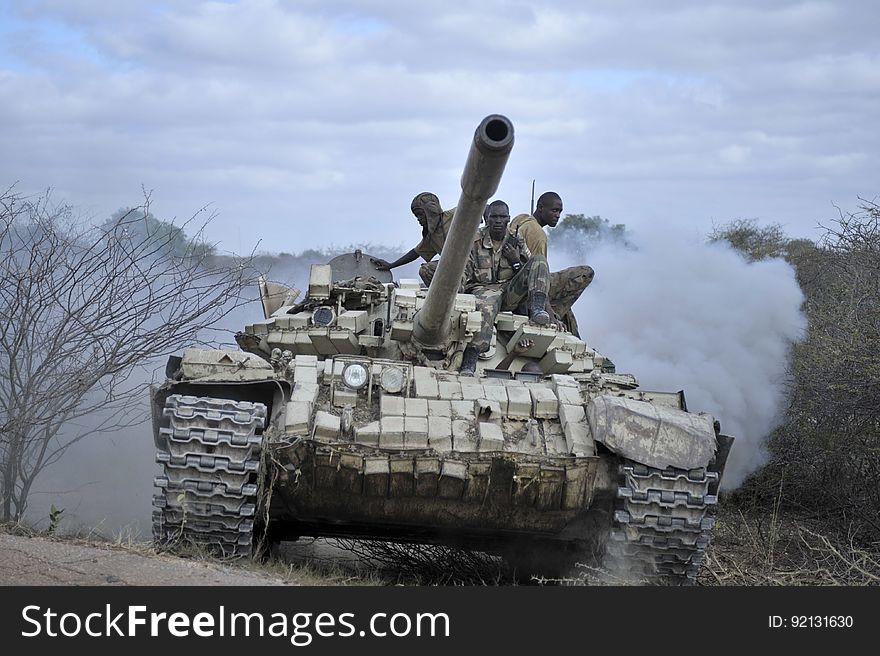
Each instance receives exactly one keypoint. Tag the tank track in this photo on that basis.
(662, 524)
(212, 465)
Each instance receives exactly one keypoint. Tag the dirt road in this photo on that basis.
(41, 561)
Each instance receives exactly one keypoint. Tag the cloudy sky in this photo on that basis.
(313, 122)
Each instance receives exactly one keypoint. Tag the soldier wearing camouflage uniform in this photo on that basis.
(567, 285)
(435, 226)
(502, 273)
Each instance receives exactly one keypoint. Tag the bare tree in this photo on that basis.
(82, 308)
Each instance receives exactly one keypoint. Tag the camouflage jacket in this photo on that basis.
(487, 265)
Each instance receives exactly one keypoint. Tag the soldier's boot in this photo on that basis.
(537, 313)
(468, 361)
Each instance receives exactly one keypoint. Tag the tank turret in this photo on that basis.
(352, 307)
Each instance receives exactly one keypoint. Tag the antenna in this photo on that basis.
(532, 204)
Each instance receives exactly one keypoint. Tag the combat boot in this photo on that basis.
(537, 313)
(468, 361)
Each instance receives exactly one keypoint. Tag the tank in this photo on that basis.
(343, 414)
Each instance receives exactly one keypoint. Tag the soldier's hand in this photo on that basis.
(523, 345)
(511, 253)
(381, 264)
(558, 322)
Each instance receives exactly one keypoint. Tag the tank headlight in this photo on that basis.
(355, 375)
(392, 380)
(323, 316)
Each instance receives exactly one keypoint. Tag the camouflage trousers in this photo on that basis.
(506, 296)
(427, 270)
(566, 287)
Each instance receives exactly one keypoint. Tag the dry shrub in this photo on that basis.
(771, 550)
(825, 457)
(427, 564)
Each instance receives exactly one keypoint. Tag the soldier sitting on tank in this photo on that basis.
(567, 285)
(435, 226)
(501, 273)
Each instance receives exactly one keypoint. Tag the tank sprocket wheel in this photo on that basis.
(208, 492)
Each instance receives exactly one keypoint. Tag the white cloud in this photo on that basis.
(681, 112)
(735, 154)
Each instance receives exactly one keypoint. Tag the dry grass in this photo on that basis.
(295, 571)
(312, 572)
(590, 575)
(773, 549)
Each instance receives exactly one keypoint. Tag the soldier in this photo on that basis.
(435, 226)
(566, 286)
(501, 273)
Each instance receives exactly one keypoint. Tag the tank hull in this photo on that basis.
(498, 478)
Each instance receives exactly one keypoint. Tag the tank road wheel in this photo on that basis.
(208, 491)
(662, 525)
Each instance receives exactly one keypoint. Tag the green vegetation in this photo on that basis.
(579, 234)
(54, 518)
(758, 242)
(140, 225)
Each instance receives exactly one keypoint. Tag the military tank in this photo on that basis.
(343, 414)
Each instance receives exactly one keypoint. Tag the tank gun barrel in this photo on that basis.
(493, 141)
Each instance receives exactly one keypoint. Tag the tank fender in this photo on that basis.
(654, 435)
(222, 365)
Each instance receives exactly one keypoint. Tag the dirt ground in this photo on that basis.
(44, 561)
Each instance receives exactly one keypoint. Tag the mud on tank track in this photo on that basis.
(212, 466)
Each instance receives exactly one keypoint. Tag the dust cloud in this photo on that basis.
(681, 314)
